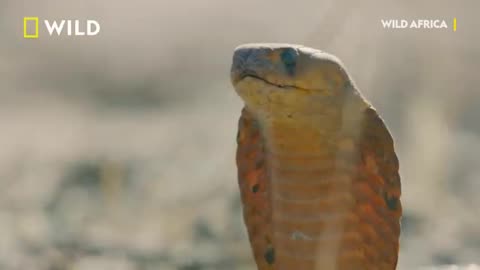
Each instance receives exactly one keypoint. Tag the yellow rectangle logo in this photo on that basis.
(25, 32)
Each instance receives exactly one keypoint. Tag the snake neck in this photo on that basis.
(310, 186)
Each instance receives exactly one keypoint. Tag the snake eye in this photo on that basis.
(288, 57)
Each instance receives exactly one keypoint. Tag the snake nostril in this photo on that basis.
(241, 56)
(239, 68)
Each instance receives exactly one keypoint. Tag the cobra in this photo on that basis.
(317, 170)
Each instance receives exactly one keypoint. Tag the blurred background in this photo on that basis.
(117, 150)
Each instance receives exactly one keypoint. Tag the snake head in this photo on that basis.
(263, 73)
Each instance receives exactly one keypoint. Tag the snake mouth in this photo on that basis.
(254, 76)
(266, 81)
(281, 86)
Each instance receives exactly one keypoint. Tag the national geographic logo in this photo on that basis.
(60, 27)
